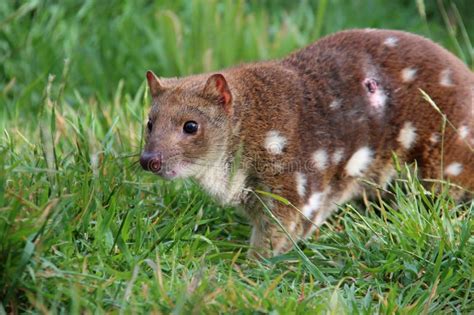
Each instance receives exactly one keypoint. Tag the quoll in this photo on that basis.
(314, 127)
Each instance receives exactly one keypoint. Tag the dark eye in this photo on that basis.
(149, 125)
(190, 127)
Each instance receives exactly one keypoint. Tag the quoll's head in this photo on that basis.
(188, 125)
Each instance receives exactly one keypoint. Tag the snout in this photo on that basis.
(151, 161)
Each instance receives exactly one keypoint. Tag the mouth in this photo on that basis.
(167, 174)
(172, 172)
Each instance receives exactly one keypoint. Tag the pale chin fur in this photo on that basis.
(179, 170)
(186, 169)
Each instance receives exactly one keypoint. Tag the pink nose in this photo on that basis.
(151, 161)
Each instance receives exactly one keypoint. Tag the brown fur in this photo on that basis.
(279, 113)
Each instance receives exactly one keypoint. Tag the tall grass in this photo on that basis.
(83, 229)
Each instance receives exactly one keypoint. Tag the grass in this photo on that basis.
(84, 230)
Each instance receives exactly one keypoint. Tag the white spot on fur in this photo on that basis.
(408, 74)
(320, 158)
(391, 41)
(445, 78)
(330, 205)
(378, 98)
(453, 169)
(314, 202)
(301, 183)
(292, 227)
(407, 135)
(335, 104)
(381, 98)
(435, 137)
(337, 156)
(359, 162)
(275, 142)
(324, 211)
(463, 132)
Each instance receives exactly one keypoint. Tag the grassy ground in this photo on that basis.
(83, 229)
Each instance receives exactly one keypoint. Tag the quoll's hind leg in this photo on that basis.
(268, 239)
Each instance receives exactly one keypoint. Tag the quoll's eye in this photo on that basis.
(190, 127)
(149, 125)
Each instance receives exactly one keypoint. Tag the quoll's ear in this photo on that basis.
(217, 87)
(154, 83)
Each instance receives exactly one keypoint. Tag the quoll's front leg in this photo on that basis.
(268, 239)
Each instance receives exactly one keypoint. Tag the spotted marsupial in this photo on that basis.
(314, 127)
